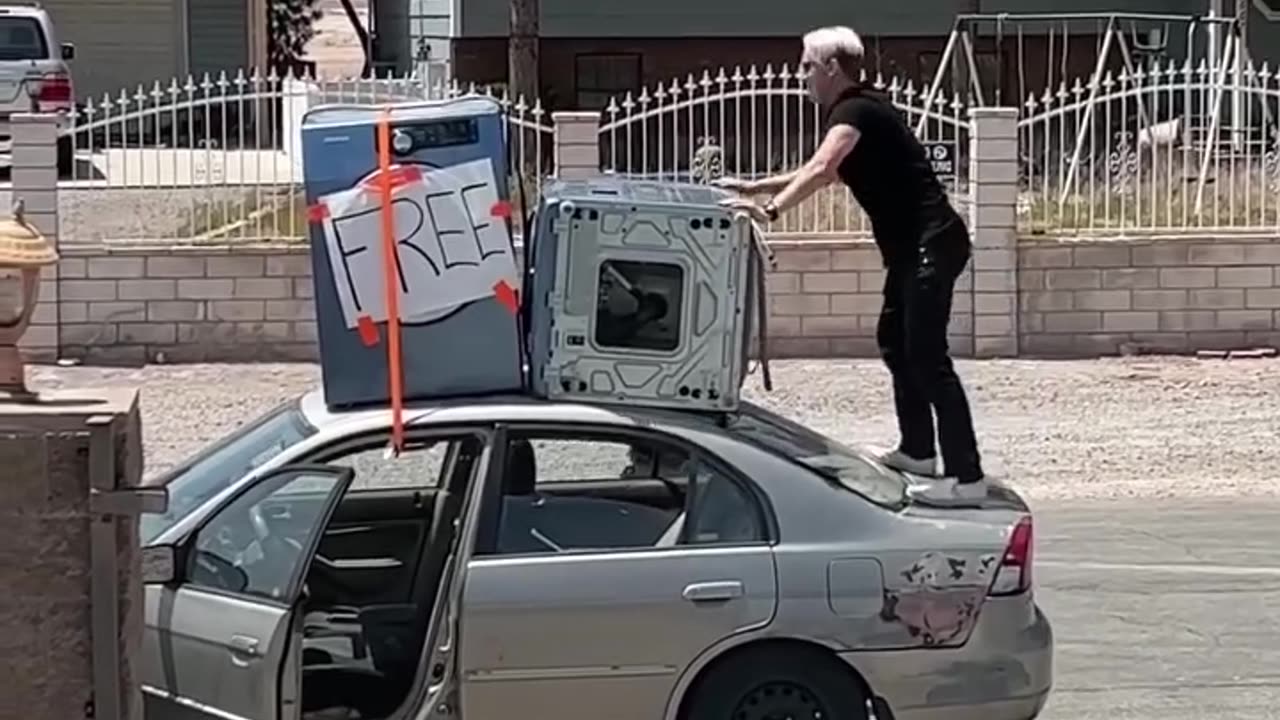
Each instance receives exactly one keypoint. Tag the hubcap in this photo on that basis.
(779, 701)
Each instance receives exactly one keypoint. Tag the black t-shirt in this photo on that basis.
(891, 178)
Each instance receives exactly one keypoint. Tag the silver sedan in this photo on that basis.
(523, 558)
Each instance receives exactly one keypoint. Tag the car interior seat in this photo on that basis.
(521, 477)
(538, 522)
(519, 501)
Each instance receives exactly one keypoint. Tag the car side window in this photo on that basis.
(257, 544)
(614, 492)
(723, 512)
(418, 467)
(561, 460)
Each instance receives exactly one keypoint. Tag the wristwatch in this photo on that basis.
(771, 211)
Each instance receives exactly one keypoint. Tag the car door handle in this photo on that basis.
(243, 644)
(710, 591)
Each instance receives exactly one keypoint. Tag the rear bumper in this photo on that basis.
(6, 135)
(1004, 671)
(63, 122)
(1026, 708)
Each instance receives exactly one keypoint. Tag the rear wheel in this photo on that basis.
(770, 683)
(66, 157)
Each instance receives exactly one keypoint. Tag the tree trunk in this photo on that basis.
(522, 50)
(522, 73)
(361, 33)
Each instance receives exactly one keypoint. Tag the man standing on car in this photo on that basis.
(922, 239)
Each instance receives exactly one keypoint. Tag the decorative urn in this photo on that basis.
(23, 252)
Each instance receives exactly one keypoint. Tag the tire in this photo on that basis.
(66, 157)
(767, 682)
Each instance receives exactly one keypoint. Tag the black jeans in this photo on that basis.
(912, 335)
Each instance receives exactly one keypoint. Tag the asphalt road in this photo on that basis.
(1162, 610)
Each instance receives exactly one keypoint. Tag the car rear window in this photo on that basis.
(22, 38)
(837, 462)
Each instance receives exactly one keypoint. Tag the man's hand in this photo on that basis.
(738, 185)
(749, 206)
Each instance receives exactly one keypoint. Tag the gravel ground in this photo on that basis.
(111, 213)
(1141, 427)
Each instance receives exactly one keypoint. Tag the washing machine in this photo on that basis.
(641, 292)
(457, 263)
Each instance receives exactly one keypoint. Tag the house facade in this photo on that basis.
(594, 50)
(123, 43)
(410, 32)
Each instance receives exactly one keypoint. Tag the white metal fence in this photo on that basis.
(1167, 148)
(218, 159)
(753, 123)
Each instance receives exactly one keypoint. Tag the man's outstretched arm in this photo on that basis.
(821, 170)
(763, 186)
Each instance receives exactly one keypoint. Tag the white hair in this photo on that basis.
(836, 42)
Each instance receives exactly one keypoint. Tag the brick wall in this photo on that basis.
(190, 304)
(1167, 295)
(129, 304)
(1020, 296)
(126, 305)
(825, 300)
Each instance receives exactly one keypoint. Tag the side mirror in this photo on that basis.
(159, 564)
(68, 51)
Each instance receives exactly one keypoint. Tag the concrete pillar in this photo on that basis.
(577, 139)
(993, 172)
(69, 567)
(35, 182)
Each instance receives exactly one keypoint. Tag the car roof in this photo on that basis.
(512, 408)
(31, 10)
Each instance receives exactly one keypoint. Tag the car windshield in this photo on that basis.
(214, 468)
(22, 39)
(824, 456)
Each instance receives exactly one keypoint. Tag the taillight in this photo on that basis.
(53, 93)
(1014, 574)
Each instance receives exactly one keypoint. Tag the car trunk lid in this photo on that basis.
(999, 497)
(975, 553)
(32, 77)
(13, 88)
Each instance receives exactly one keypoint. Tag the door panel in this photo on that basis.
(224, 632)
(625, 625)
(228, 651)
(369, 551)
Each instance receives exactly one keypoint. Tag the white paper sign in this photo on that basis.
(452, 244)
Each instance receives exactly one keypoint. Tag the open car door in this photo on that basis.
(225, 619)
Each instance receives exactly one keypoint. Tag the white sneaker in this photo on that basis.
(949, 491)
(899, 460)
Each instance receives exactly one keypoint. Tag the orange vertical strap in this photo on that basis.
(391, 281)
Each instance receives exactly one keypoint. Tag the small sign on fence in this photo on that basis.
(942, 158)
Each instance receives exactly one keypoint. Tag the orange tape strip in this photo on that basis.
(368, 331)
(501, 209)
(507, 296)
(400, 177)
(317, 213)
(391, 280)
